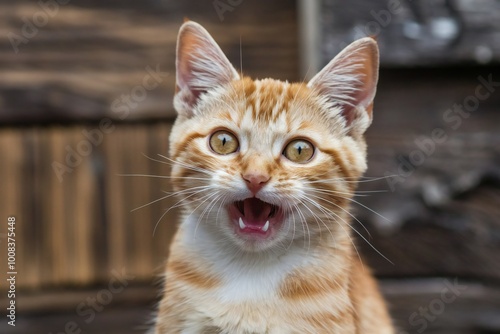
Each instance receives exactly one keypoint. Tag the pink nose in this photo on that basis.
(255, 181)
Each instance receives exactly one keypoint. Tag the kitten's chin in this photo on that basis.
(255, 222)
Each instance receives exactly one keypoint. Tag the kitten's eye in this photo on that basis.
(299, 151)
(223, 142)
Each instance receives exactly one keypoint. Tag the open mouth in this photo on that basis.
(255, 217)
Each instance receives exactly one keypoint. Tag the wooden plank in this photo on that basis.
(85, 221)
(54, 205)
(163, 228)
(434, 305)
(443, 305)
(140, 247)
(49, 311)
(30, 188)
(89, 55)
(460, 222)
(13, 202)
(115, 208)
(447, 204)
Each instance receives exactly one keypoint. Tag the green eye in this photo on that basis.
(223, 142)
(299, 150)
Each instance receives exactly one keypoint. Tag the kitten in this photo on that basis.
(265, 171)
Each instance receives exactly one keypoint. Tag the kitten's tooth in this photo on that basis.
(242, 224)
(266, 226)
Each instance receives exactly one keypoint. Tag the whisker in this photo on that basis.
(367, 208)
(216, 194)
(158, 221)
(345, 179)
(171, 162)
(357, 232)
(220, 207)
(329, 213)
(169, 195)
(329, 191)
(176, 205)
(316, 217)
(290, 209)
(319, 206)
(183, 164)
(167, 176)
(304, 224)
(343, 209)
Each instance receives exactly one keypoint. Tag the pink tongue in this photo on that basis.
(256, 211)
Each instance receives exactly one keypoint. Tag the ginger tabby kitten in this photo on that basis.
(265, 171)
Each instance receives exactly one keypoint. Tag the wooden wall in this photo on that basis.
(442, 217)
(74, 224)
(415, 33)
(437, 218)
(79, 63)
(435, 143)
(77, 73)
(81, 70)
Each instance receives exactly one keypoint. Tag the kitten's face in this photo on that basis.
(264, 163)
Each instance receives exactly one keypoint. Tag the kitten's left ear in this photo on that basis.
(350, 81)
(201, 65)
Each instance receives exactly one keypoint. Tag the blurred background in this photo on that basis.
(86, 96)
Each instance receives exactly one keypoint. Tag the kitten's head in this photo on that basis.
(265, 163)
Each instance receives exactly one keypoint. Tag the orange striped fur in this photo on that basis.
(295, 269)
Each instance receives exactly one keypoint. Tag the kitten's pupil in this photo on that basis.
(223, 142)
(299, 150)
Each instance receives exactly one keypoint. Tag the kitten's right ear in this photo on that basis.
(350, 81)
(201, 65)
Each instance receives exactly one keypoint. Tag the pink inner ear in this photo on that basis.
(348, 114)
(201, 64)
(188, 45)
(350, 79)
(362, 97)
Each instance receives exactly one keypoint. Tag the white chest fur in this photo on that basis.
(248, 297)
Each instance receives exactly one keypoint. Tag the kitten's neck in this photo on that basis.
(199, 238)
(241, 272)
